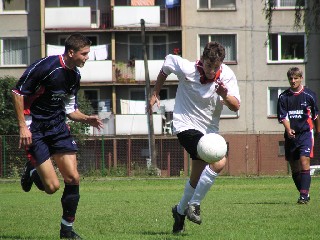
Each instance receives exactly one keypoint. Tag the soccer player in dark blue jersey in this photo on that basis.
(298, 112)
(48, 92)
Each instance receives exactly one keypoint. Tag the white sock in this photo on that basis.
(187, 195)
(64, 222)
(205, 182)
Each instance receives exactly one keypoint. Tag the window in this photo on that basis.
(13, 6)
(286, 48)
(227, 40)
(14, 51)
(217, 4)
(156, 46)
(93, 95)
(273, 94)
(287, 3)
(281, 150)
(139, 94)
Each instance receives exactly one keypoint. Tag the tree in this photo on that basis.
(307, 15)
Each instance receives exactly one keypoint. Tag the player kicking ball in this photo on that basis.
(204, 87)
(48, 90)
(298, 112)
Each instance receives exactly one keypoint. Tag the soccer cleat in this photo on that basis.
(178, 225)
(193, 213)
(303, 200)
(26, 179)
(68, 233)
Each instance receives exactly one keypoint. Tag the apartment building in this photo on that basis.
(114, 76)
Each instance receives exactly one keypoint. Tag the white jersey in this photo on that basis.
(197, 106)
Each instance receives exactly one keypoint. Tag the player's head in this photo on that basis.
(214, 52)
(77, 48)
(295, 76)
(212, 58)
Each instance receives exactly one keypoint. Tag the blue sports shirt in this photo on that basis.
(300, 108)
(50, 88)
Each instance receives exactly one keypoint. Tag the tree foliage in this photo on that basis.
(307, 15)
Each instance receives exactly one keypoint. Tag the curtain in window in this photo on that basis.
(287, 3)
(228, 41)
(14, 51)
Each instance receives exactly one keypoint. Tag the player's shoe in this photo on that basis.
(193, 213)
(303, 200)
(68, 233)
(178, 225)
(26, 179)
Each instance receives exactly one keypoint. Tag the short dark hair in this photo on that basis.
(214, 51)
(294, 71)
(76, 42)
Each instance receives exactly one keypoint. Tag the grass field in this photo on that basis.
(235, 208)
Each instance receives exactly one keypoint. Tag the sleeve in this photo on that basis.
(171, 65)
(233, 88)
(314, 109)
(282, 112)
(30, 79)
(70, 104)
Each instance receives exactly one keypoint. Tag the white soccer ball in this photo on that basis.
(212, 147)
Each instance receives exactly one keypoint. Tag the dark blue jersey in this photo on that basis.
(299, 108)
(49, 86)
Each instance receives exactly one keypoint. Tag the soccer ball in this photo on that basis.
(212, 147)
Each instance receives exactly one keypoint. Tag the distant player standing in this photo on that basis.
(49, 89)
(298, 112)
(204, 86)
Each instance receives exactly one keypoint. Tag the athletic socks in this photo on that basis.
(187, 195)
(296, 176)
(205, 182)
(69, 201)
(305, 183)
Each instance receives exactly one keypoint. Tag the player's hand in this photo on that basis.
(95, 121)
(221, 89)
(154, 99)
(25, 137)
(291, 134)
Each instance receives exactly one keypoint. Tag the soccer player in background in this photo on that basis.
(298, 112)
(204, 87)
(49, 86)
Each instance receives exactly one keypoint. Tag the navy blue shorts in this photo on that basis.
(189, 140)
(301, 145)
(49, 138)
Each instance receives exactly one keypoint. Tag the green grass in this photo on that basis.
(235, 208)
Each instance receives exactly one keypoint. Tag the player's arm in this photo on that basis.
(230, 101)
(92, 120)
(317, 126)
(25, 134)
(156, 90)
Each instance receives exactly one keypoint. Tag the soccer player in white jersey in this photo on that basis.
(204, 87)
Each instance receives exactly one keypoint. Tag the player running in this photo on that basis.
(298, 112)
(52, 84)
(204, 86)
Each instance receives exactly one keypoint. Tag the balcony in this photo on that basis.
(96, 71)
(133, 15)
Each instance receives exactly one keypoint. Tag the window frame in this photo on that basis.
(2, 51)
(15, 12)
(210, 8)
(280, 90)
(279, 42)
(278, 6)
(209, 39)
(149, 43)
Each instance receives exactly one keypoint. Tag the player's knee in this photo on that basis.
(52, 187)
(73, 179)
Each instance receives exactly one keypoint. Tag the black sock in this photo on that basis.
(305, 183)
(297, 180)
(69, 200)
